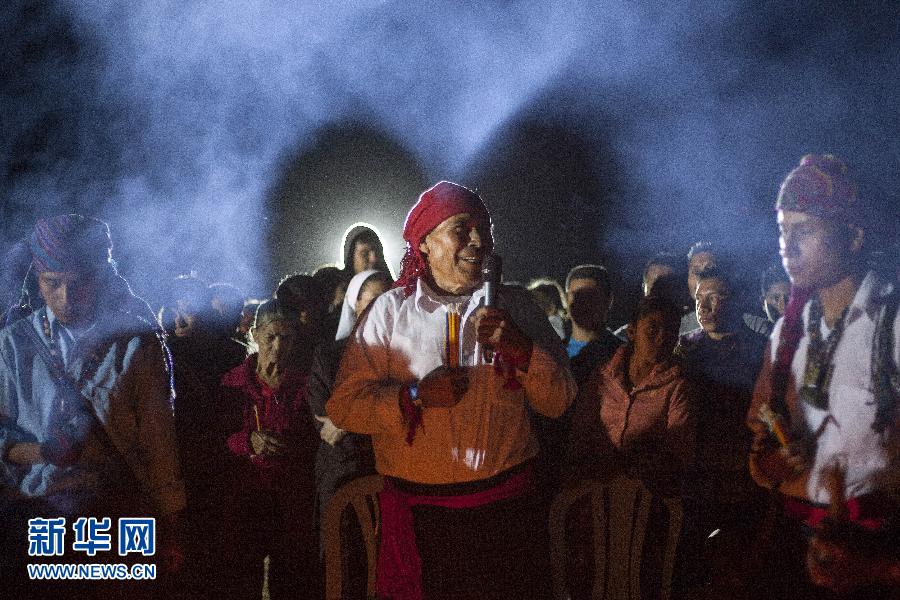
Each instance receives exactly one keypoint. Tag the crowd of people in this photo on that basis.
(771, 414)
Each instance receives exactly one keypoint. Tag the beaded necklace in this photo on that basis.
(48, 333)
(820, 356)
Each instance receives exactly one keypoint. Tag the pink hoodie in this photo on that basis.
(610, 423)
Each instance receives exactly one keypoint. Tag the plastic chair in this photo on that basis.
(619, 513)
(362, 495)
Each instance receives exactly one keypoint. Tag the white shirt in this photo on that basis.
(845, 427)
(402, 339)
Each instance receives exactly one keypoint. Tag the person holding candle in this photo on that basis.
(459, 514)
(830, 373)
(271, 508)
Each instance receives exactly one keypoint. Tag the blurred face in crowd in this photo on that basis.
(371, 289)
(247, 314)
(816, 253)
(277, 340)
(589, 302)
(700, 262)
(71, 296)
(544, 301)
(653, 273)
(339, 292)
(776, 299)
(186, 321)
(454, 251)
(365, 256)
(716, 308)
(653, 337)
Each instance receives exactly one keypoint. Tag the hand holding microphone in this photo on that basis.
(496, 329)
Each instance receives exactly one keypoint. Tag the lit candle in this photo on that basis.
(452, 337)
(774, 422)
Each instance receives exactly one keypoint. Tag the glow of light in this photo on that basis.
(474, 458)
(386, 243)
(713, 534)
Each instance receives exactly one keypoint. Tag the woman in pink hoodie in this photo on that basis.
(634, 417)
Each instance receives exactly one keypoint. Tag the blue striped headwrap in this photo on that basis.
(70, 243)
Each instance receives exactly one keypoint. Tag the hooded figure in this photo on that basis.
(363, 250)
(348, 306)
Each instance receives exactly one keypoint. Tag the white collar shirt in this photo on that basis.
(843, 431)
(400, 340)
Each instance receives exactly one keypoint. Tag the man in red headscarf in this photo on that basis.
(824, 413)
(451, 432)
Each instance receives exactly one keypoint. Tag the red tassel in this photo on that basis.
(412, 414)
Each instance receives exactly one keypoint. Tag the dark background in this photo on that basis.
(240, 140)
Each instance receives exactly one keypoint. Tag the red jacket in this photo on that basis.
(283, 411)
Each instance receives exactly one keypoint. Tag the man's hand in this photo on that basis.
(330, 433)
(266, 442)
(497, 329)
(777, 464)
(26, 453)
(443, 387)
(840, 567)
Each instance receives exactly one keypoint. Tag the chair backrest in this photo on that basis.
(362, 495)
(619, 514)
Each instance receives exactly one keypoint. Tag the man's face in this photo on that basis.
(454, 251)
(71, 296)
(776, 299)
(815, 253)
(653, 338)
(653, 273)
(715, 306)
(186, 322)
(365, 256)
(588, 302)
(700, 262)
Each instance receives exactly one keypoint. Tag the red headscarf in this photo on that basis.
(435, 205)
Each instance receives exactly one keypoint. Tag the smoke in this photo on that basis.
(174, 121)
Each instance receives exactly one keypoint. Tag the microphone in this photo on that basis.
(491, 271)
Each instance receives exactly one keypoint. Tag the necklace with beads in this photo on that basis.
(820, 356)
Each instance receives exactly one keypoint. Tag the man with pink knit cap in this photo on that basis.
(824, 413)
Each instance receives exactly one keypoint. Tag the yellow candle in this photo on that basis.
(774, 423)
(452, 338)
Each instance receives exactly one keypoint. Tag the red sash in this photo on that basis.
(869, 511)
(399, 575)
